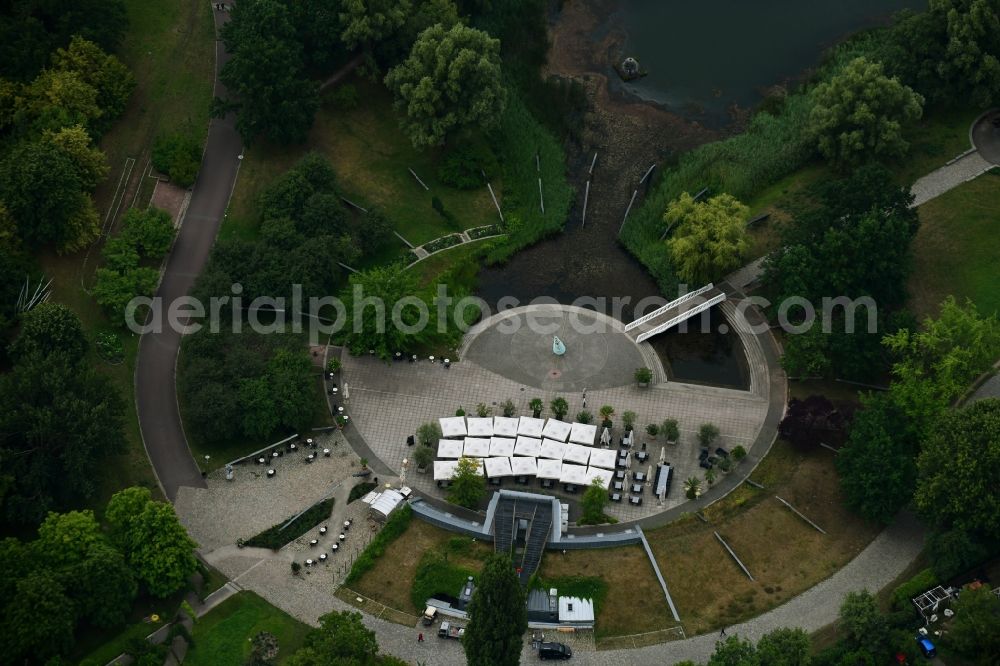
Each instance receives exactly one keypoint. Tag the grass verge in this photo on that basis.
(955, 250)
(394, 527)
(221, 638)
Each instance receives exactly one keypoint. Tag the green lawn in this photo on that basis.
(941, 135)
(371, 157)
(223, 636)
(955, 251)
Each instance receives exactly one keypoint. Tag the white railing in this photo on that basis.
(672, 304)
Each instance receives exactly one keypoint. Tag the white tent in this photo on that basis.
(532, 427)
(605, 475)
(528, 446)
(505, 426)
(387, 502)
(574, 474)
(605, 458)
(523, 466)
(575, 453)
(583, 433)
(498, 467)
(480, 427)
(557, 430)
(574, 610)
(552, 449)
(477, 447)
(501, 446)
(549, 469)
(450, 448)
(453, 426)
(444, 469)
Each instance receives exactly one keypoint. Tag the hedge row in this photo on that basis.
(275, 538)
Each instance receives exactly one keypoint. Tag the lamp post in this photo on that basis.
(402, 472)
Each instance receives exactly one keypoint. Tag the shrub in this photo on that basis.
(344, 97)
(652, 430)
(435, 575)
(459, 412)
(559, 407)
(393, 528)
(482, 410)
(584, 417)
(738, 453)
(536, 405)
(692, 488)
(464, 165)
(508, 407)
(670, 430)
(178, 156)
(424, 456)
(333, 365)
(296, 567)
(360, 490)
(428, 433)
(628, 419)
(919, 584)
(275, 538)
(707, 434)
(109, 347)
(643, 375)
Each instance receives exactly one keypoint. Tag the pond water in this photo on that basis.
(703, 57)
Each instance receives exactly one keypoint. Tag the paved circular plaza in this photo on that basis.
(509, 357)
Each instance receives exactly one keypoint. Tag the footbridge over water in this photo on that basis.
(675, 312)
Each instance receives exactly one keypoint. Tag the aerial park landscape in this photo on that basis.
(449, 331)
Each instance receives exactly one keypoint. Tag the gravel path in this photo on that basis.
(948, 177)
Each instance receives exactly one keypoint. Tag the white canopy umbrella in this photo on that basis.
(604, 458)
(453, 426)
(524, 466)
(575, 453)
(450, 448)
(605, 475)
(505, 426)
(501, 447)
(528, 446)
(444, 469)
(583, 433)
(574, 474)
(663, 454)
(549, 469)
(605, 437)
(477, 447)
(530, 426)
(552, 449)
(480, 427)
(557, 430)
(498, 467)
(628, 438)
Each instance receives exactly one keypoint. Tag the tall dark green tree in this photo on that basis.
(272, 96)
(497, 616)
(50, 328)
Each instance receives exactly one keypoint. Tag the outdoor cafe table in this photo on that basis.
(639, 476)
(637, 488)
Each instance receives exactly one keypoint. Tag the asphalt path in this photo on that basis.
(155, 395)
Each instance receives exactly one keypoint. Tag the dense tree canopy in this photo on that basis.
(709, 237)
(50, 328)
(272, 95)
(497, 616)
(468, 485)
(155, 544)
(342, 638)
(959, 486)
(450, 82)
(973, 633)
(859, 114)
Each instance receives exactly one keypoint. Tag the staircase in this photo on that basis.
(534, 543)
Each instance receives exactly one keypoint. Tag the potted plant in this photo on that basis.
(364, 463)
(424, 457)
(340, 421)
(535, 406)
(726, 465)
(707, 434)
(459, 412)
(643, 376)
(692, 488)
(296, 568)
(738, 454)
(333, 365)
(429, 433)
(482, 410)
(559, 407)
(628, 420)
(584, 416)
(508, 408)
(710, 476)
(652, 430)
(670, 431)
(606, 412)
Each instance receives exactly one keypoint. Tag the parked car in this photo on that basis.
(554, 651)
(448, 630)
(926, 647)
(430, 614)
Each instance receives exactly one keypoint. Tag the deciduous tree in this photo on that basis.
(449, 82)
(859, 114)
(973, 632)
(709, 237)
(468, 485)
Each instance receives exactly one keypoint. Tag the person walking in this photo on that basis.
(722, 632)
(420, 637)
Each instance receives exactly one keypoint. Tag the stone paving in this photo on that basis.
(948, 177)
(389, 401)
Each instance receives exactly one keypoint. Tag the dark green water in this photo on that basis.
(705, 56)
